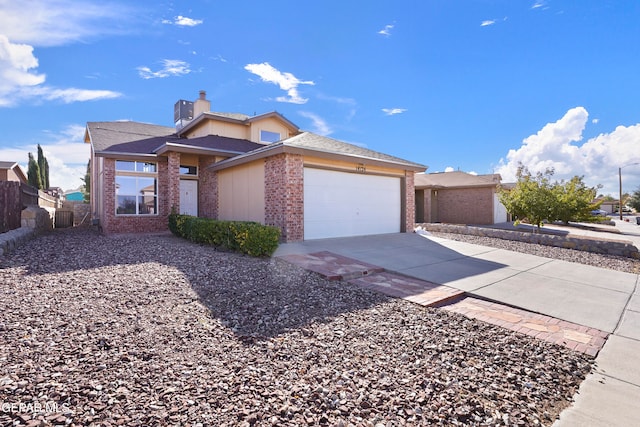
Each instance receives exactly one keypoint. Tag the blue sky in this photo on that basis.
(471, 85)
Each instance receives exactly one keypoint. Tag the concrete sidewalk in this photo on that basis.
(593, 297)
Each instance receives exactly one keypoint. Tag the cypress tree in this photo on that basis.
(33, 173)
(87, 183)
(43, 165)
(45, 179)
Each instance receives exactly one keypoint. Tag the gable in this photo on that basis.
(240, 126)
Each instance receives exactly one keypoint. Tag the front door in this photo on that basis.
(189, 197)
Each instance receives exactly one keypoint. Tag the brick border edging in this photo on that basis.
(605, 247)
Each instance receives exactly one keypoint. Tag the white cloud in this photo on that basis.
(16, 65)
(386, 31)
(65, 151)
(393, 111)
(595, 121)
(537, 4)
(171, 67)
(68, 95)
(183, 21)
(48, 23)
(449, 169)
(18, 81)
(59, 22)
(286, 81)
(320, 126)
(555, 146)
(487, 22)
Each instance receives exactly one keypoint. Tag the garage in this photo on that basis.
(340, 204)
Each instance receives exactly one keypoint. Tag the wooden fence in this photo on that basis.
(10, 205)
(14, 197)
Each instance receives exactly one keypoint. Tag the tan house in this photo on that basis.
(236, 167)
(458, 198)
(12, 171)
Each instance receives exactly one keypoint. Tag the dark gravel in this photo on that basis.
(153, 330)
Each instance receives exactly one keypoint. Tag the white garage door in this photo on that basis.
(339, 204)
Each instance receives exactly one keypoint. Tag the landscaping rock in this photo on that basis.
(153, 330)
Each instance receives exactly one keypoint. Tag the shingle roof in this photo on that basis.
(320, 144)
(235, 116)
(313, 141)
(223, 143)
(455, 179)
(133, 137)
(17, 168)
(7, 165)
(142, 138)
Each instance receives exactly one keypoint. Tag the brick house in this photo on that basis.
(11, 171)
(253, 168)
(458, 198)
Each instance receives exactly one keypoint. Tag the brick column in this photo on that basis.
(284, 195)
(409, 202)
(427, 205)
(173, 183)
(108, 214)
(207, 188)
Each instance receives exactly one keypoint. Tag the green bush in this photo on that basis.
(249, 238)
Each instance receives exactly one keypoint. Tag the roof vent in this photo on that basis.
(182, 113)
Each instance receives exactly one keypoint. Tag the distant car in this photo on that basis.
(625, 209)
(599, 212)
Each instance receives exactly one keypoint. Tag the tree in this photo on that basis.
(573, 201)
(87, 183)
(536, 199)
(634, 200)
(43, 165)
(532, 197)
(33, 173)
(46, 182)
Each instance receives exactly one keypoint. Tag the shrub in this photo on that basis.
(249, 238)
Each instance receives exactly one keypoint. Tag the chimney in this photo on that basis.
(201, 105)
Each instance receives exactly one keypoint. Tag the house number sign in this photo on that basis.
(361, 168)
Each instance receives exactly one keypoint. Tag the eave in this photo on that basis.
(279, 148)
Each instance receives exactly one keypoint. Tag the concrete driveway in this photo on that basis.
(594, 297)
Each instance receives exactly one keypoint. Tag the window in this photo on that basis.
(266, 136)
(125, 165)
(188, 170)
(136, 188)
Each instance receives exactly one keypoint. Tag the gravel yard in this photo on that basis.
(153, 330)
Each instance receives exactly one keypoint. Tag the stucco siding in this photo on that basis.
(230, 130)
(269, 124)
(241, 193)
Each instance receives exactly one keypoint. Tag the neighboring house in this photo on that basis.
(458, 198)
(252, 168)
(12, 171)
(76, 195)
(610, 206)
